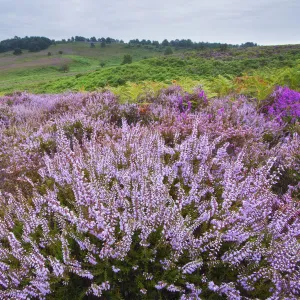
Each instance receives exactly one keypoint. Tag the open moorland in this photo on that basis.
(174, 176)
(254, 70)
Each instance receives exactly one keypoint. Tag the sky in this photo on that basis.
(266, 22)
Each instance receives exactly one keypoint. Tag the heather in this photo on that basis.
(284, 104)
(176, 196)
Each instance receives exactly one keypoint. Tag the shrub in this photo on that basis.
(17, 51)
(223, 47)
(180, 197)
(168, 51)
(64, 68)
(285, 105)
(127, 59)
(49, 54)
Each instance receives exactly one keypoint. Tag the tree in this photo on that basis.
(248, 44)
(108, 40)
(60, 52)
(165, 43)
(103, 44)
(127, 59)
(168, 51)
(34, 47)
(223, 47)
(17, 51)
(93, 45)
(80, 39)
(93, 39)
(33, 43)
(49, 53)
(155, 43)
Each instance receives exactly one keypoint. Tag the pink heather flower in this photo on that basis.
(115, 270)
(160, 285)
(143, 291)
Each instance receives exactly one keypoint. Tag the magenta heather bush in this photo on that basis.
(285, 103)
(176, 201)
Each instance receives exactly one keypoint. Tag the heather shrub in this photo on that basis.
(284, 105)
(179, 198)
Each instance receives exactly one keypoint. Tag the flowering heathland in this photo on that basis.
(285, 104)
(180, 197)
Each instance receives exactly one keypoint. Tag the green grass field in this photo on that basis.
(251, 70)
(32, 69)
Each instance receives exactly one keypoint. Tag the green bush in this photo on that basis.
(168, 51)
(64, 68)
(127, 59)
(17, 51)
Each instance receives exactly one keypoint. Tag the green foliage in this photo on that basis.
(33, 43)
(64, 68)
(168, 51)
(222, 86)
(223, 47)
(253, 71)
(127, 59)
(17, 51)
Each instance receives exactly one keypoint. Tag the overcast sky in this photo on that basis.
(232, 21)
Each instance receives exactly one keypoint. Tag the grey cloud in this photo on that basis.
(235, 21)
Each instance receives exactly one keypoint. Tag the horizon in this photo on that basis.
(159, 40)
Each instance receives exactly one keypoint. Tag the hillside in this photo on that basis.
(23, 71)
(40, 73)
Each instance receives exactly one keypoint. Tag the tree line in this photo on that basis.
(188, 43)
(36, 43)
(183, 43)
(32, 44)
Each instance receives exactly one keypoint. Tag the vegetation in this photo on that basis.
(127, 59)
(251, 70)
(64, 68)
(155, 174)
(168, 51)
(17, 51)
(33, 44)
(177, 196)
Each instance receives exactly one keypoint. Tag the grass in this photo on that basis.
(254, 71)
(30, 69)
